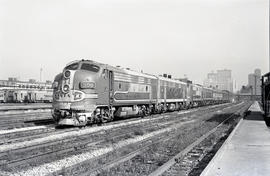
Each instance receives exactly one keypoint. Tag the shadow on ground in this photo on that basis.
(253, 116)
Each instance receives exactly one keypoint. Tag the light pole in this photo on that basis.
(251, 87)
(255, 93)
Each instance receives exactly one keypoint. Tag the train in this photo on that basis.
(10, 95)
(265, 97)
(87, 92)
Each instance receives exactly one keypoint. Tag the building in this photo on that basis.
(254, 81)
(211, 80)
(246, 90)
(258, 72)
(31, 84)
(221, 80)
(224, 80)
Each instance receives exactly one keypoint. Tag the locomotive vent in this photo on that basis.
(165, 75)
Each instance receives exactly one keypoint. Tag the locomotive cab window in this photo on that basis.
(90, 67)
(72, 66)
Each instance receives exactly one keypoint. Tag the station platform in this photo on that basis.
(246, 152)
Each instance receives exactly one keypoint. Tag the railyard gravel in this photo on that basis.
(48, 168)
(75, 159)
(79, 132)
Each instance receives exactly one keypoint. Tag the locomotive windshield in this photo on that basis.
(72, 66)
(90, 67)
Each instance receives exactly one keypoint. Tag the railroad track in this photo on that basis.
(26, 114)
(121, 159)
(38, 133)
(24, 120)
(85, 143)
(83, 146)
(193, 150)
(84, 140)
(24, 107)
(71, 148)
(130, 155)
(8, 125)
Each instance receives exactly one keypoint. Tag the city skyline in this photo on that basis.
(179, 38)
(235, 86)
(222, 80)
(205, 82)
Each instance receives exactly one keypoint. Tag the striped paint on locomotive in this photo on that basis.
(172, 91)
(133, 89)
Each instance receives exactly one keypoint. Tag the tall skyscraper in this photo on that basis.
(224, 80)
(211, 80)
(254, 81)
(257, 72)
(221, 80)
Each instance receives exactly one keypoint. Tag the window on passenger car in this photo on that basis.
(90, 67)
(72, 66)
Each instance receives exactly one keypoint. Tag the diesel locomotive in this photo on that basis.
(90, 92)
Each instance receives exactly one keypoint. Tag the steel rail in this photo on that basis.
(181, 154)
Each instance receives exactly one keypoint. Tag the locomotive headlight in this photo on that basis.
(66, 88)
(87, 85)
(67, 74)
(77, 95)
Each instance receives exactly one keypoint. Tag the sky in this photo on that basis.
(177, 37)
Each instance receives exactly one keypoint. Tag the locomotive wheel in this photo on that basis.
(104, 119)
(148, 111)
(105, 116)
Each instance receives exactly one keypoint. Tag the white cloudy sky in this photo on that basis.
(191, 37)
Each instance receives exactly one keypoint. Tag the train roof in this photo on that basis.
(121, 70)
(141, 74)
(132, 72)
(171, 80)
(197, 85)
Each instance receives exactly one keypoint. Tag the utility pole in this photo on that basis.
(40, 76)
(255, 85)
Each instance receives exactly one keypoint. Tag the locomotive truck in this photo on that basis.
(90, 92)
